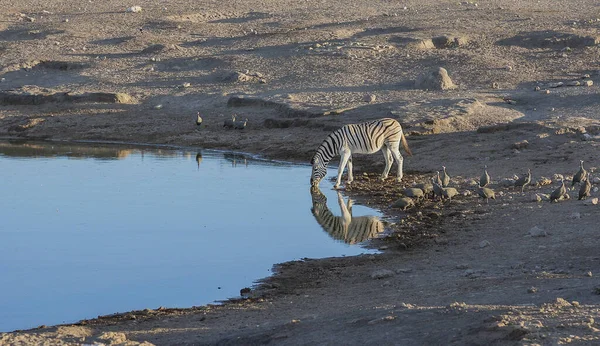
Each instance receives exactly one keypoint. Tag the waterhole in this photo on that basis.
(89, 230)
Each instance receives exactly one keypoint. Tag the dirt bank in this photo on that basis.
(514, 271)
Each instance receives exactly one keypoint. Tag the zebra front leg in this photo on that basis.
(345, 156)
(388, 162)
(400, 161)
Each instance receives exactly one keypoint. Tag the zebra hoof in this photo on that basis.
(349, 182)
(399, 179)
(336, 187)
(382, 178)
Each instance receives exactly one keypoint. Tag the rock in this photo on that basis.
(495, 85)
(586, 137)
(382, 274)
(134, 9)
(484, 243)
(467, 193)
(555, 85)
(537, 88)
(369, 98)
(520, 145)
(186, 85)
(588, 83)
(536, 231)
(574, 83)
(591, 201)
(532, 290)
(596, 180)
(158, 107)
(536, 198)
(437, 79)
(589, 274)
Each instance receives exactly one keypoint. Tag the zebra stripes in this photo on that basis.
(364, 138)
(350, 230)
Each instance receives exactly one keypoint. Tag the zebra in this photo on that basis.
(364, 138)
(350, 230)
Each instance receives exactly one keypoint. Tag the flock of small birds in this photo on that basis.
(439, 187)
(228, 123)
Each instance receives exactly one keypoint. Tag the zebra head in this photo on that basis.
(319, 170)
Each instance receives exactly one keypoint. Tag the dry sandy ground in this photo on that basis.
(460, 272)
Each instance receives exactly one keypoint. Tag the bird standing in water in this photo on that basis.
(199, 120)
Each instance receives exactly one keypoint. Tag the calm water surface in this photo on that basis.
(94, 230)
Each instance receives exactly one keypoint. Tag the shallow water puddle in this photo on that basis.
(94, 230)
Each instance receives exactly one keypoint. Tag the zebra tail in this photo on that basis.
(405, 144)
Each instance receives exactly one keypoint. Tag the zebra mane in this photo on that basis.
(328, 148)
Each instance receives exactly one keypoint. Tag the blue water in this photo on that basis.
(95, 230)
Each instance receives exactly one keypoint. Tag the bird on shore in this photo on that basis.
(449, 192)
(580, 175)
(438, 180)
(586, 187)
(445, 178)
(437, 188)
(414, 193)
(559, 192)
(198, 119)
(524, 180)
(484, 180)
(487, 193)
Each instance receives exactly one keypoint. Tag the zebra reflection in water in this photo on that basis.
(350, 230)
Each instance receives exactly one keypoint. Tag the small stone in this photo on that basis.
(574, 83)
(369, 98)
(588, 83)
(158, 107)
(520, 145)
(537, 88)
(536, 231)
(546, 91)
(596, 180)
(186, 85)
(591, 201)
(134, 9)
(495, 85)
(575, 303)
(382, 274)
(532, 289)
(589, 274)
(575, 216)
(536, 198)
(66, 20)
(508, 68)
(484, 243)
(555, 85)
(467, 193)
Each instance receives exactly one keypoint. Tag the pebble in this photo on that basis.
(158, 107)
(484, 243)
(532, 289)
(382, 274)
(186, 85)
(536, 231)
(369, 98)
(536, 198)
(591, 201)
(574, 83)
(134, 9)
(589, 274)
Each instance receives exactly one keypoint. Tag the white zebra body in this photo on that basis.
(364, 138)
(346, 228)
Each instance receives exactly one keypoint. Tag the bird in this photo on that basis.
(438, 180)
(414, 192)
(199, 120)
(404, 203)
(199, 159)
(484, 180)
(229, 123)
(585, 189)
(445, 178)
(240, 125)
(580, 175)
(487, 193)
(524, 180)
(559, 192)
(449, 192)
(437, 188)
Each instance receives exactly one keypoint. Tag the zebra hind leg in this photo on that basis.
(387, 155)
(399, 160)
(350, 175)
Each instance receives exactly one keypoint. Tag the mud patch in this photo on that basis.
(550, 39)
(36, 96)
